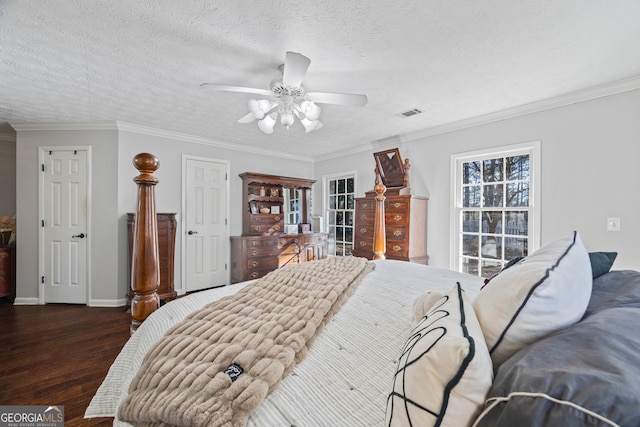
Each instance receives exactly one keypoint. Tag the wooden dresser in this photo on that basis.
(166, 252)
(405, 215)
(8, 271)
(406, 227)
(272, 205)
(254, 256)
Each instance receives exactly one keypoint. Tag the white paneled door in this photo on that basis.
(205, 224)
(64, 224)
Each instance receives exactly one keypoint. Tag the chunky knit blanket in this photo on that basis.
(217, 365)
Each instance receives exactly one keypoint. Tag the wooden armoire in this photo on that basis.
(405, 214)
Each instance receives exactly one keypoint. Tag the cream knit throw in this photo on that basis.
(254, 337)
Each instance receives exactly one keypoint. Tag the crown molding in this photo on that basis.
(131, 127)
(600, 91)
(151, 131)
(7, 137)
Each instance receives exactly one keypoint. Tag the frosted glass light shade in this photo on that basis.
(310, 125)
(266, 124)
(259, 108)
(310, 110)
(286, 119)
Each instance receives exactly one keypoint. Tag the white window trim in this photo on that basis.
(533, 149)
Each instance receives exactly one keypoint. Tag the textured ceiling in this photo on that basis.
(143, 61)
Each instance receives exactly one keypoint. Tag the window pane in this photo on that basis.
(492, 222)
(350, 202)
(471, 197)
(470, 245)
(518, 194)
(332, 202)
(517, 223)
(339, 249)
(471, 173)
(332, 187)
(492, 169)
(348, 248)
(339, 234)
(341, 202)
(489, 268)
(492, 247)
(348, 218)
(340, 218)
(470, 266)
(518, 168)
(514, 247)
(332, 232)
(351, 185)
(341, 186)
(471, 221)
(348, 234)
(492, 196)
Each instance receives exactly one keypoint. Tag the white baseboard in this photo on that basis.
(26, 301)
(108, 302)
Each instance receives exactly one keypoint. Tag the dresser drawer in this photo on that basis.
(269, 228)
(396, 206)
(395, 219)
(396, 234)
(260, 263)
(397, 250)
(365, 205)
(265, 218)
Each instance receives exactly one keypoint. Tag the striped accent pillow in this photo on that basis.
(444, 371)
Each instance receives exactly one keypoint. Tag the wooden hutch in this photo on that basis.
(276, 226)
(405, 214)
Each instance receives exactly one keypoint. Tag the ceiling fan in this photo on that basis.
(289, 98)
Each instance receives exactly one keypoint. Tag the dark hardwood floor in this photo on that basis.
(58, 354)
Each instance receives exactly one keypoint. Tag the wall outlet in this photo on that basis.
(613, 224)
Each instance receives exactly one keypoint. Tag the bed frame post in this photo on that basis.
(379, 231)
(145, 269)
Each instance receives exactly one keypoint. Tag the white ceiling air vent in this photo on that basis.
(411, 112)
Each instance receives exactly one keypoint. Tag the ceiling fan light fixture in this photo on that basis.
(286, 118)
(310, 125)
(310, 110)
(266, 125)
(259, 108)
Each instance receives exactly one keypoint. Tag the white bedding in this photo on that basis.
(347, 374)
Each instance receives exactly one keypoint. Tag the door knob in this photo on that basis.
(81, 235)
(190, 232)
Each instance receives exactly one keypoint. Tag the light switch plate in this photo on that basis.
(613, 224)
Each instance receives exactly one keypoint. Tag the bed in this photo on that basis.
(550, 340)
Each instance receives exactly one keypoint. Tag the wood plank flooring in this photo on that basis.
(58, 354)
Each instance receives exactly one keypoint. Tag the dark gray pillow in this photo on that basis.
(601, 262)
(586, 374)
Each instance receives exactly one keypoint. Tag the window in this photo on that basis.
(293, 205)
(340, 211)
(495, 208)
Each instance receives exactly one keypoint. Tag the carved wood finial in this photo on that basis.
(145, 269)
(379, 229)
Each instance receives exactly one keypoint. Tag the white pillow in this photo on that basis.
(423, 303)
(543, 293)
(444, 371)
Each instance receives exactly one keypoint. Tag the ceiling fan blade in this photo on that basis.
(247, 119)
(338, 98)
(295, 68)
(226, 88)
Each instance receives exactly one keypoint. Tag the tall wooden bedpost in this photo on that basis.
(379, 231)
(145, 269)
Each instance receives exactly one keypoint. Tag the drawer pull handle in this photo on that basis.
(397, 218)
(276, 228)
(254, 264)
(396, 205)
(397, 233)
(277, 217)
(396, 248)
(255, 275)
(365, 205)
(362, 243)
(363, 217)
(255, 252)
(254, 243)
(363, 230)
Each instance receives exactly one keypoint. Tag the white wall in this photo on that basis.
(104, 225)
(169, 151)
(590, 152)
(114, 194)
(7, 175)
